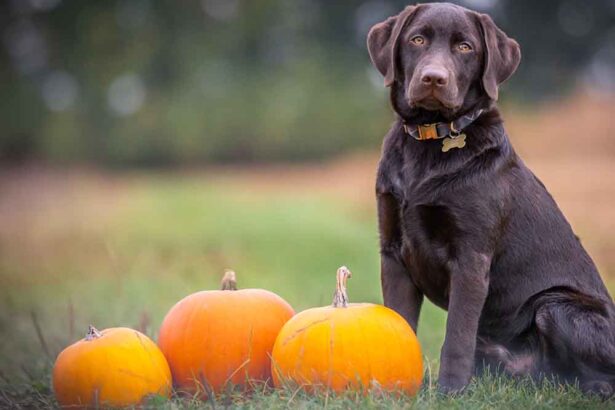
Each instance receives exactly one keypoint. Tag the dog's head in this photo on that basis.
(441, 59)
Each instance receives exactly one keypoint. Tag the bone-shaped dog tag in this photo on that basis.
(457, 142)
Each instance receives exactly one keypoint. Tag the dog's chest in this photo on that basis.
(429, 230)
(427, 245)
(430, 217)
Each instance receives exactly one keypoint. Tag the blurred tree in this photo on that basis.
(162, 82)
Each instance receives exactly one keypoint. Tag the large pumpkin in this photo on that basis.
(220, 338)
(112, 368)
(356, 346)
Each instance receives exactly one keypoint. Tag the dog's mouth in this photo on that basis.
(434, 102)
(431, 104)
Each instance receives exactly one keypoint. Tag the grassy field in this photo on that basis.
(121, 254)
(80, 247)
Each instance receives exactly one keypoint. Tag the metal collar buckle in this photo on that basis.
(428, 132)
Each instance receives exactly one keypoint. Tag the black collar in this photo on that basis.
(441, 130)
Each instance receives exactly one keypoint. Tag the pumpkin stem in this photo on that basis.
(92, 333)
(340, 297)
(229, 281)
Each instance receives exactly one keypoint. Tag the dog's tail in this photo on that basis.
(500, 359)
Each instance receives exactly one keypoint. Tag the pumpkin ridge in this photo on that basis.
(297, 332)
(331, 349)
(370, 374)
(133, 374)
(152, 360)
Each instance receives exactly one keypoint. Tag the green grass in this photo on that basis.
(170, 237)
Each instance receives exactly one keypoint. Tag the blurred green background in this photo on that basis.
(170, 83)
(145, 146)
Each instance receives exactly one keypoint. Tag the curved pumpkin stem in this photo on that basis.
(92, 333)
(340, 297)
(229, 281)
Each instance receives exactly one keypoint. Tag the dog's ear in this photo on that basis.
(382, 42)
(502, 56)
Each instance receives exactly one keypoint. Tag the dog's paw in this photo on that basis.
(600, 388)
(451, 385)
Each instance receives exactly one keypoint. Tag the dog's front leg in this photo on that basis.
(398, 290)
(469, 283)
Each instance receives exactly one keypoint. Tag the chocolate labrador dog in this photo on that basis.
(464, 222)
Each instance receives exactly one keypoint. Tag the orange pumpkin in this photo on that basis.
(218, 338)
(116, 367)
(355, 346)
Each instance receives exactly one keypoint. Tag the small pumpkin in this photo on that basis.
(115, 367)
(217, 338)
(355, 346)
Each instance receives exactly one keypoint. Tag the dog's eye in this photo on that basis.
(464, 47)
(418, 40)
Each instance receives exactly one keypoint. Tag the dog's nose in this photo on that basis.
(434, 76)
